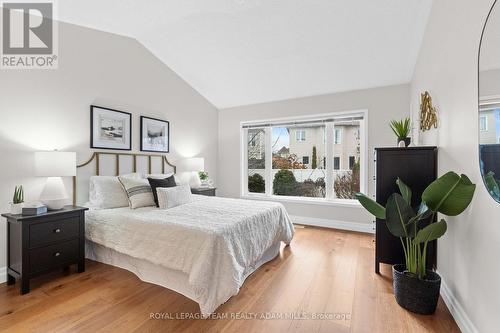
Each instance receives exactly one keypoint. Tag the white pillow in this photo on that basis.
(138, 191)
(107, 192)
(169, 197)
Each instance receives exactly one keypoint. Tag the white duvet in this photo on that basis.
(215, 241)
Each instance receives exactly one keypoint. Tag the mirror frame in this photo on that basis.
(479, 101)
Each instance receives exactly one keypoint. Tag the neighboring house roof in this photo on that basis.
(284, 151)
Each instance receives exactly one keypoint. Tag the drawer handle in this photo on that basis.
(57, 254)
(56, 231)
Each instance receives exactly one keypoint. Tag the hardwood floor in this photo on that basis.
(322, 272)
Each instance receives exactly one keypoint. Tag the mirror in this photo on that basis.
(489, 103)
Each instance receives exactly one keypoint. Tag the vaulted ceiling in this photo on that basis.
(239, 52)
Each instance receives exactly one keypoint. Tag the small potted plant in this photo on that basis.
(204, 178)
(402, 130)
(416, 288)
(16, 207)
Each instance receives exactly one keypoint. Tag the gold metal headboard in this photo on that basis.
(96, 156)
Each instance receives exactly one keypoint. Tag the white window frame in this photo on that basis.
(339, 130)
(300, 135)
(329, 149)
(485, 123)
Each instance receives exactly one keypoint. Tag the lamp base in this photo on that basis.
(54, 194)
(194, 181)
(56, 204)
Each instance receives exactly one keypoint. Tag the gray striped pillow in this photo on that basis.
(138, 191)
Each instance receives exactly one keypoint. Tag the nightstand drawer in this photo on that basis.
(52, 256)
(53, 231)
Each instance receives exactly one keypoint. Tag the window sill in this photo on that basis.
(352, 203)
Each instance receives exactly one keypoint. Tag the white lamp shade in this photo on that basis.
(55, 164)
(192, 164)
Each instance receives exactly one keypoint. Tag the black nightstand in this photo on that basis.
(208, 191)
(37, 244)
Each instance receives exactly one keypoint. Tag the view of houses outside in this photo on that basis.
(299, 160)
(489, 126)
(489, 139)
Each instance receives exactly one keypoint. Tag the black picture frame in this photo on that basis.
(142, 145)
(92, 127)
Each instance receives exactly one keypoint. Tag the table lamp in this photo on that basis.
(193, 165)
(54, 165)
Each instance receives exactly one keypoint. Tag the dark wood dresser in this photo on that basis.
(37, 244)
(417, 167)
(208, 191)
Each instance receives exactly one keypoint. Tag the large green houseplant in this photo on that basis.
(449, 195)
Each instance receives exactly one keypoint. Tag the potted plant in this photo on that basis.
(415, 287)
(16, 207)
(402, 130)
(205, 181)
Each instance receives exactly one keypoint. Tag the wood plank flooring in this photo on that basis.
(324, 272)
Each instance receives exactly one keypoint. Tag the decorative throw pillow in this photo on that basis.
(157, 183)
(163, 176)
(138, 191)
(169, 197)
(107, 192)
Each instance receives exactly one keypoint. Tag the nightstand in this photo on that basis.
(38, 244)
(208, 191)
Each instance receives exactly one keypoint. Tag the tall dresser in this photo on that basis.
(417, 167)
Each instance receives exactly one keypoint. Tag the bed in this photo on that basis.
(204, 249)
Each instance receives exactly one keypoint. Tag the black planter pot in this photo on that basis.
(407, 141)
(413, 294)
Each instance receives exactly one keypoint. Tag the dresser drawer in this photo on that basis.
(53, 231)
(52, 256)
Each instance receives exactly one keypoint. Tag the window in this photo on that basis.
(352, 161)
(301, 172)
(483, 123)
(337, 136)
(489, 121)
(256, 160)
(336, 163)
(278, 162)
(300, 135)
(347, 180)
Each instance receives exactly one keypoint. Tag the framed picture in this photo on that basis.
(155, 135)
(110, 129)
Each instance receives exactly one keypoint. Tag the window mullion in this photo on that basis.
(330, 193)
(244, 162)
(363, 156)
(269, 160)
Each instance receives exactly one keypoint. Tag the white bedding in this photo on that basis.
(216, 242)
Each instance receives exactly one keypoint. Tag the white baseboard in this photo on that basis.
(3, 274)
(457, 311)
(334, 224)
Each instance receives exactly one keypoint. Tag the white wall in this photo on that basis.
(489, 81)
(447, 68)
(49, 109)
(383, 104)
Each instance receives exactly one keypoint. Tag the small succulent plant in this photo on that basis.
(18, 195)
